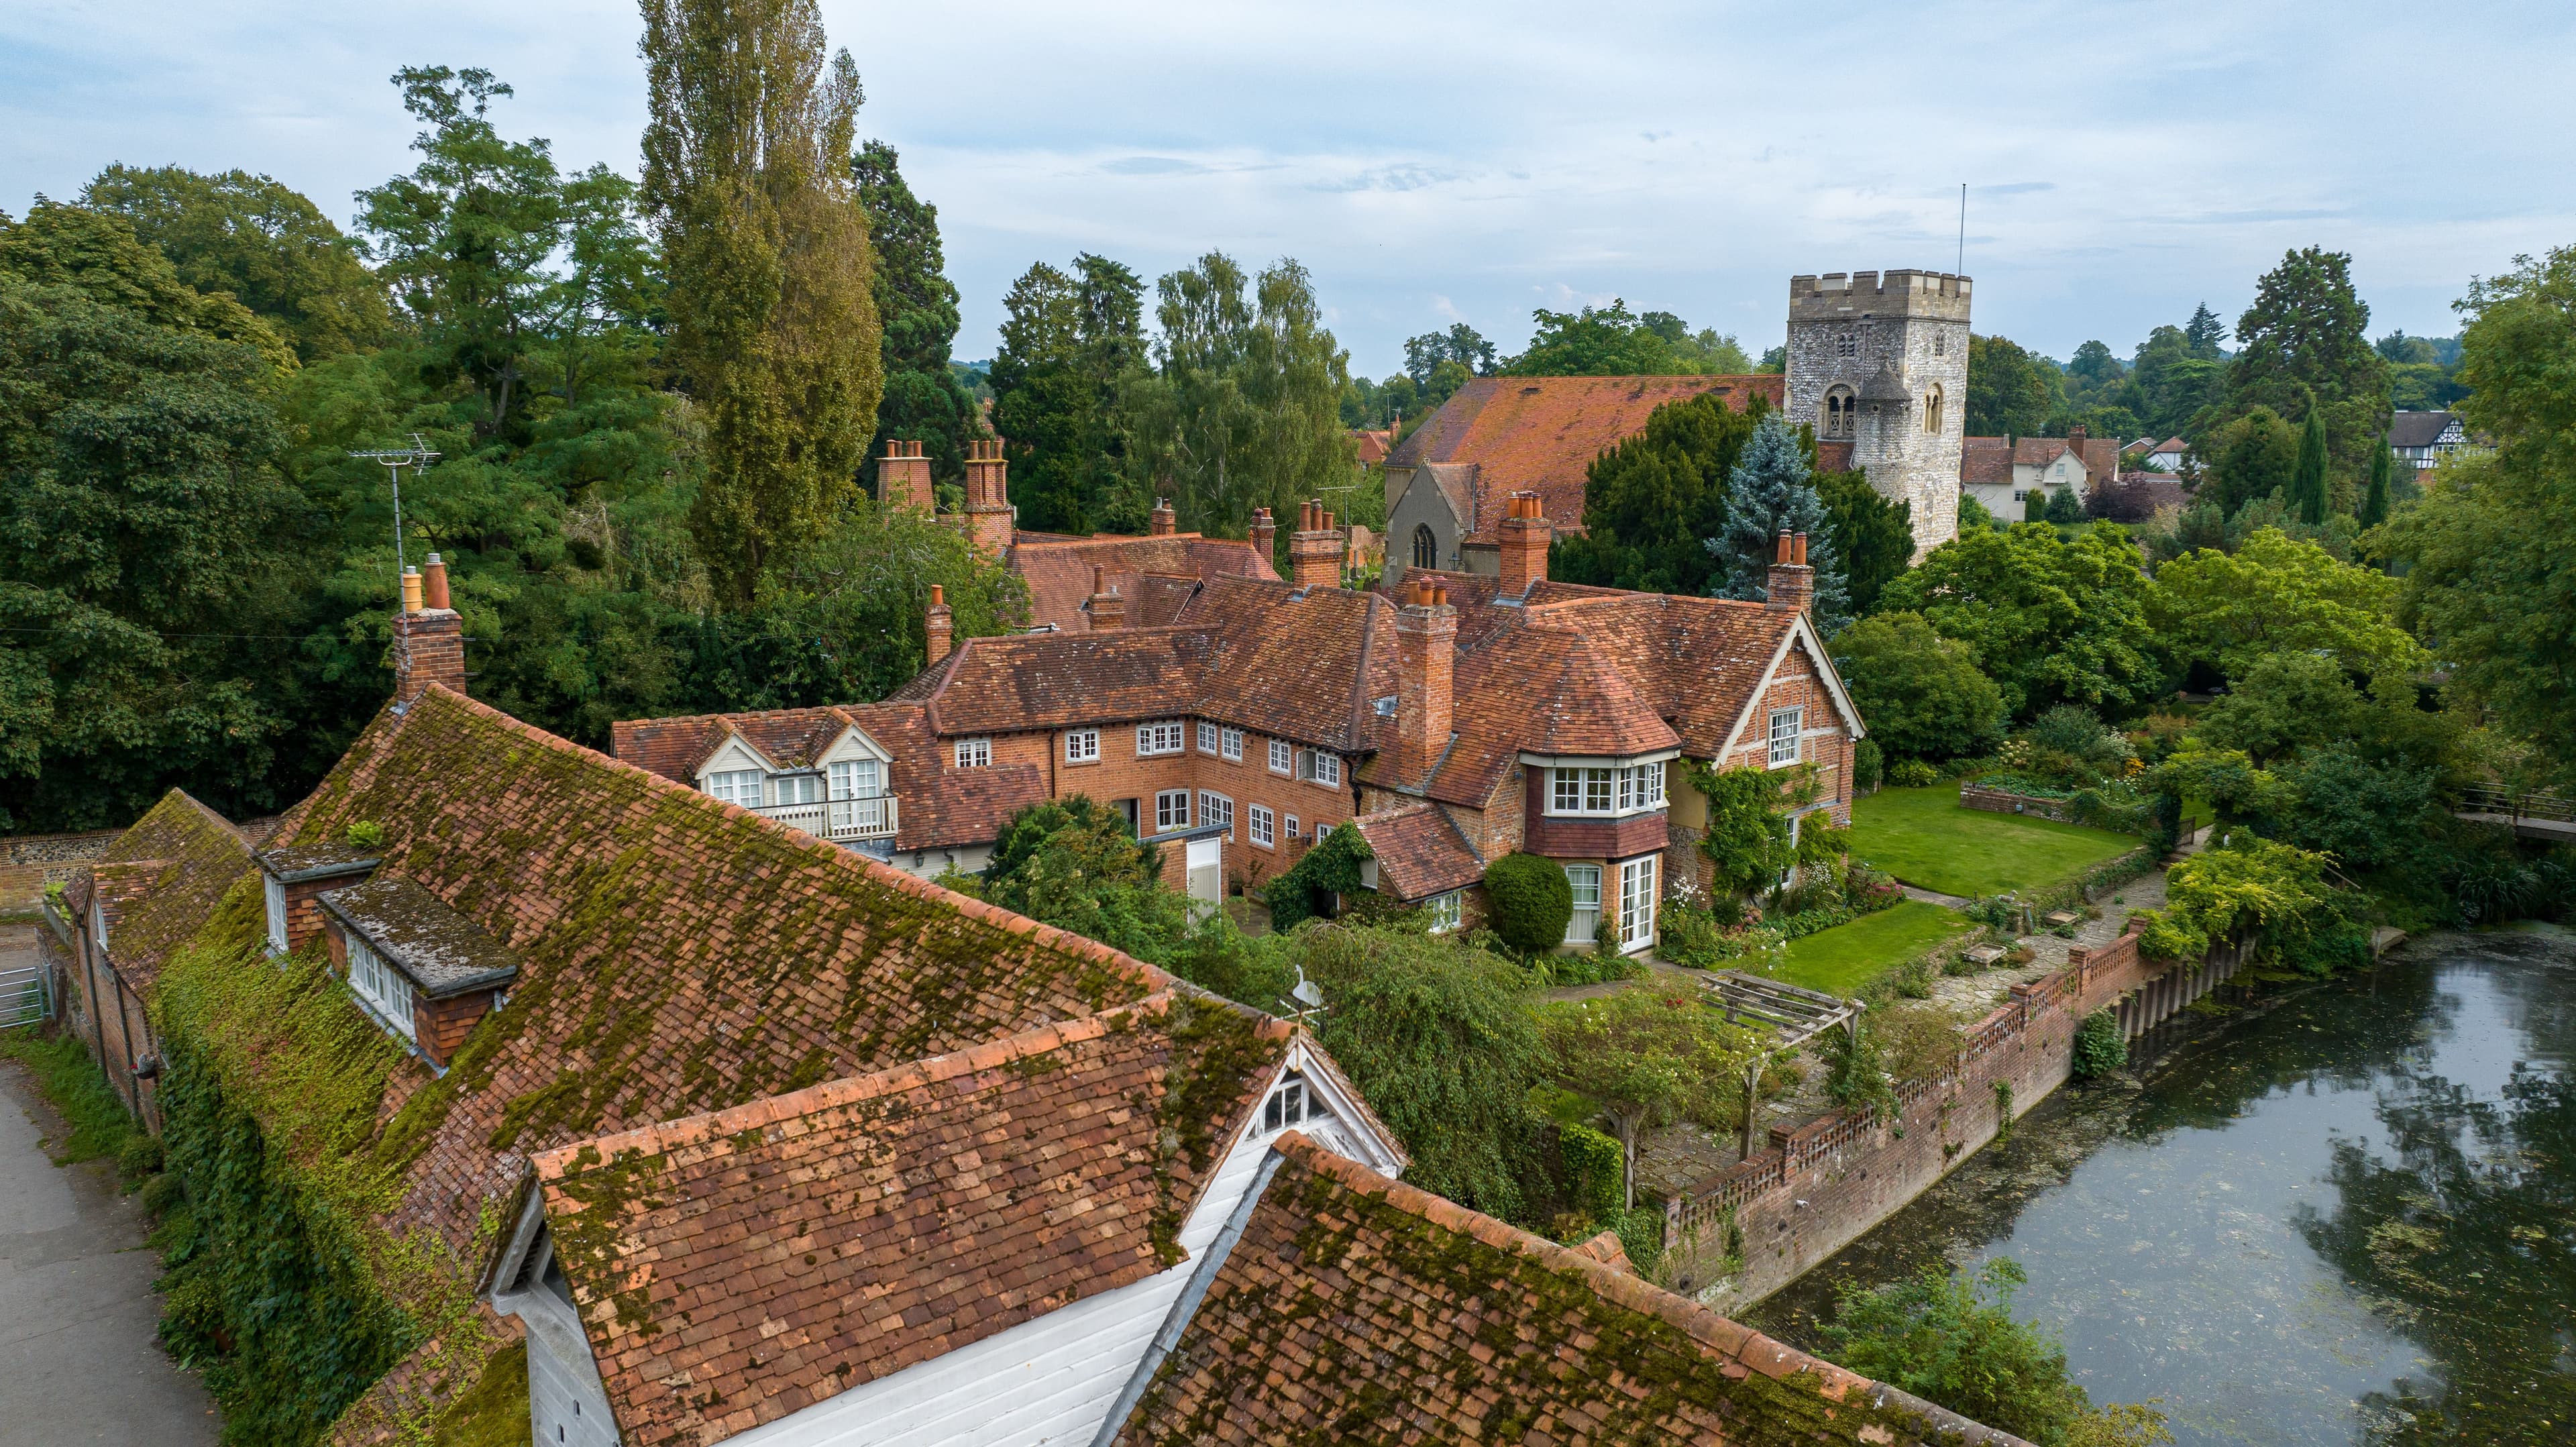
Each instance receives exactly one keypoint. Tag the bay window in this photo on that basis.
(1595, 789)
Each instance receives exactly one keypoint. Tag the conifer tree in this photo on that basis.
(2203, 331)
(2063, 510)
(2034, 505)
(2374, 503)
(2308, 478)
(746, 172)
(1770, 491)
(917, 312)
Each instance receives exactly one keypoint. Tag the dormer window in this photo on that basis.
(1291, 1103)
(381, 986)
(736, 786)
(799, 788)
(276, 899)
(858, 779)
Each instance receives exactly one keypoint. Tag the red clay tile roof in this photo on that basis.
(2172, 444)
(1420, 851)
(2100, 457)
(1541, 433)
(1986, 460)
(1372, 446)
(1579, 703)
(1833, 457)
(157, 882)
(1058, 570)
(938, 807)
(735, 1267)
(678, 954)
(1355, 1308)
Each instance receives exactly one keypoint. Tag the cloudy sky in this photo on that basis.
(2124, 159)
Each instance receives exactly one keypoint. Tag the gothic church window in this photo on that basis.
(1932, 410)
(1426, 548)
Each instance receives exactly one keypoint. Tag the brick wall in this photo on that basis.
(29, 862)
(1996, 801)
(442, 1025)
(109, 1018)
(1818, 1188)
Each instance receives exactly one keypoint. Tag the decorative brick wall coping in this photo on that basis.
(1997, 801)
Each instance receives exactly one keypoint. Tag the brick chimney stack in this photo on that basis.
(429, 636)
(1315, 549)
(1426, 650)
(1792, 582)
(903, 477)
(1526, 532)
(940, 625)
(1107, 609)
(1164, 524)
(988, 496)
(1264, 533)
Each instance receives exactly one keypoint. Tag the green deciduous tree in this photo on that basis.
(2050, 621)
(917, 317)
(1768, 492)
(98, 254)
(1076, 864)
(1612, 341)
(1919, 694)
(746, 172)
(1648, 1056)
(1650, 500)
(2009, 391)
(259, 240)
(2492, 545)
(2252, 457)
(2305, 343)
(2278, 594)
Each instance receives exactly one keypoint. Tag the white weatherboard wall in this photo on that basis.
(1051, 1380)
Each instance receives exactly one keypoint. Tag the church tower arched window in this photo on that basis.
(1842, 411)
(1932, 410)
(1426, 547)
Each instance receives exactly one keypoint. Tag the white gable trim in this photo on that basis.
(734, 753)
(1800, 631)
(854, 743)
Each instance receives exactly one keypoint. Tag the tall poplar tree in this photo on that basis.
(1770, 490)
(917, 309)
(746, 171)
(2308, 476)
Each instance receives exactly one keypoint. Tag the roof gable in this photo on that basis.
(159, 880)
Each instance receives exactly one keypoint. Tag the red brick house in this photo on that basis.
(1457, 717)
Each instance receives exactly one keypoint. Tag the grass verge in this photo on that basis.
(1841, 960)
(1924, 838)
(77, 1088)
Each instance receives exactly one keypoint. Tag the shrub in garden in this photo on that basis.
(1869, 765)
(1532, 901)
(1912, 774)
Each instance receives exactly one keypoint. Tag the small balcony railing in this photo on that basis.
(869, 817)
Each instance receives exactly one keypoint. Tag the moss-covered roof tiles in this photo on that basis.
(1355, 1308)
(677, 954)
(436, 947)
(158, 882)
(735, 1267)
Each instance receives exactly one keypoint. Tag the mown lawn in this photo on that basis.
(1840, 960)
(1924, 838)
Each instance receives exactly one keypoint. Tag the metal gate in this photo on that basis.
(26, 994)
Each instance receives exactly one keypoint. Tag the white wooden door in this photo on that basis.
(1207, 871)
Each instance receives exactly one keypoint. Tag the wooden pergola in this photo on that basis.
(1793, 1014)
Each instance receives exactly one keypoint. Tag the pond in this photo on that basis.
(2343, 1215)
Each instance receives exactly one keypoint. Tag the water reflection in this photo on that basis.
(2345, 1217)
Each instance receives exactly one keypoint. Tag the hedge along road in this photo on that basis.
(80, 1360)
(1924, 838)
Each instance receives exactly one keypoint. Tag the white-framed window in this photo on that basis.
(974, 753)
(1446, 911)
(1586, 923)
(381, 986)
(1082, 746)
(1215, 809)
(1171, 810)
(798, 788)
(1282, 757)
(1785, 725)
(857, 779)
(98, 925)
(1641, 787)
(1290, 1103)
(736, 786)
(1319, 767)
(1292, 827)
(1637, 899)
(1230, 745)
(276, 893)
(1263, 823)
(1207, 738)
(1158, 738)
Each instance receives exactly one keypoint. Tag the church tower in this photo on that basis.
(1878, 362)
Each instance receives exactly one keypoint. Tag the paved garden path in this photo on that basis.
(79, 1361)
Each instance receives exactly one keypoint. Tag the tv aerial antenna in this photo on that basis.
(395, 459)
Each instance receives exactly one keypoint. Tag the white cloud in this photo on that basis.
(2125, 160)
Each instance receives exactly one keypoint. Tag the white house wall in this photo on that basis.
(1047, 1381)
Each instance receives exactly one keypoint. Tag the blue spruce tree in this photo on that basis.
(1768, 491)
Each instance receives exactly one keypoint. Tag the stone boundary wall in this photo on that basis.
(1819, 1187)
(29, 862)
(1996, 801)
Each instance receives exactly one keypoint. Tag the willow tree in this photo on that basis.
(765, 241)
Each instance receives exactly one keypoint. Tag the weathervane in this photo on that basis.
(415, 457)
(1309, 1000)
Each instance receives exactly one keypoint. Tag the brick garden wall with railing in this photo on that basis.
(1821, 1185)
